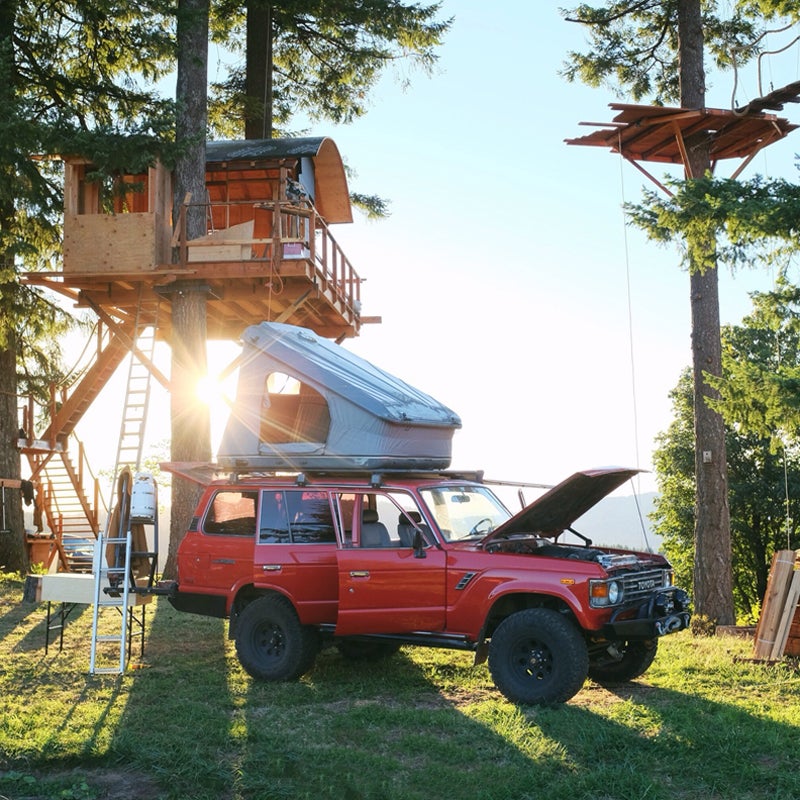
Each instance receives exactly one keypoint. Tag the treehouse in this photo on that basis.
(267, 252)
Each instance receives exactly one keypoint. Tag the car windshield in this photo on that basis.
(464, 511)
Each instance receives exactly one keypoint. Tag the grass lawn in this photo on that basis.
(187, 722)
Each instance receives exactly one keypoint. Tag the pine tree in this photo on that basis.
(658, 50)
(59, 71)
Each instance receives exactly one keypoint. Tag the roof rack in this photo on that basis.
(204, 473)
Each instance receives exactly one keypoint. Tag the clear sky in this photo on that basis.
(503, 274)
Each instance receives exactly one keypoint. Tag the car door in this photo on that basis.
(385, 586)
(217, 556)
(295, 551)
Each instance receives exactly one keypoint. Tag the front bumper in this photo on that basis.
(665, 611)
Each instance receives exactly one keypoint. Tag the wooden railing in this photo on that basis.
(66, 454)
(296, 231)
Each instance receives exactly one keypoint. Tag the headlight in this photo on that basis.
(605, 593)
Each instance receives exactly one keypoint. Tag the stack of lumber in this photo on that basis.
(778, 630)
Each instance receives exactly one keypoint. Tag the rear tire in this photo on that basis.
(271, 643)
(538, 657)
(636, 660)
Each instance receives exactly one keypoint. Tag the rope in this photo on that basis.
(632, 355)
(733, 51)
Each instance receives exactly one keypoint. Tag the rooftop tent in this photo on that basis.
(303, 402)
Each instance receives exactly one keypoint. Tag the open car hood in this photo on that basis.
(560, 506)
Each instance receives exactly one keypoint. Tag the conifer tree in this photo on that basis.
(61, 86)
(657, 51)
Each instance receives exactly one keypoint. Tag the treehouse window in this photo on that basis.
(293, 412)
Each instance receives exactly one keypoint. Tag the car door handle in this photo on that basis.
(359, 573)
(271, 567)
(223, 560)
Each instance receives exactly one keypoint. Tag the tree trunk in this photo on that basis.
(192, 114)
(13, 554)
(191, 427)
(258, 71)
(713, 575)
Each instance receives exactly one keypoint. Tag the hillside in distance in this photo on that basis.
(621, 521)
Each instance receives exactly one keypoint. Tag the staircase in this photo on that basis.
(68, 501)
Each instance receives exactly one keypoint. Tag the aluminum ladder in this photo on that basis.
(114, 584)
(112, 589)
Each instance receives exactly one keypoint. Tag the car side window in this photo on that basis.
(273, 526)
(388, 519)
(231, 513)
(298, 516)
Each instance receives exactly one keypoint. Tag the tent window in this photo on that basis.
(293, 411)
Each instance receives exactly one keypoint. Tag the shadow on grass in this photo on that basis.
(16, 616)
(176, 726)
(37, 636)
(423, 726)
(646, 741)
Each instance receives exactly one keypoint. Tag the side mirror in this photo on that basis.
(419, 544)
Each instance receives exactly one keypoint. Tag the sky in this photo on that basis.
(509, 287)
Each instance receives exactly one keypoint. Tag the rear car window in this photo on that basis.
(297, 516)
(232, 514)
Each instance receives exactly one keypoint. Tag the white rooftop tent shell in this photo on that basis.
(347, 415)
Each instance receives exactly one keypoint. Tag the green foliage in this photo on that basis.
(634, 45)
(760, 391)
(327, 56)
(760, 476)
(750, 220)
(373, 206)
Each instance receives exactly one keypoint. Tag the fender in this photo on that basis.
(470, 612)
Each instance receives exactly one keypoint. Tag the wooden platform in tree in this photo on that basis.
(239, 292)
(665, 135)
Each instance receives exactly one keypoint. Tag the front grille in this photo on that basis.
(638, 585)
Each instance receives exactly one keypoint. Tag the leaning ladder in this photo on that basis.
(137, 397)
(113, 584)
(112, 587)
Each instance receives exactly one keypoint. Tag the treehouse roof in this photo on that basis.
(332, 195)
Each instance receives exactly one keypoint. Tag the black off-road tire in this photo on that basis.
(355, 650)
(538, 657)
(636, 660)
(271, 643)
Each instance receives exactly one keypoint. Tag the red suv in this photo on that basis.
(368, 562)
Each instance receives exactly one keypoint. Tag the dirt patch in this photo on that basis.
(100, 783)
